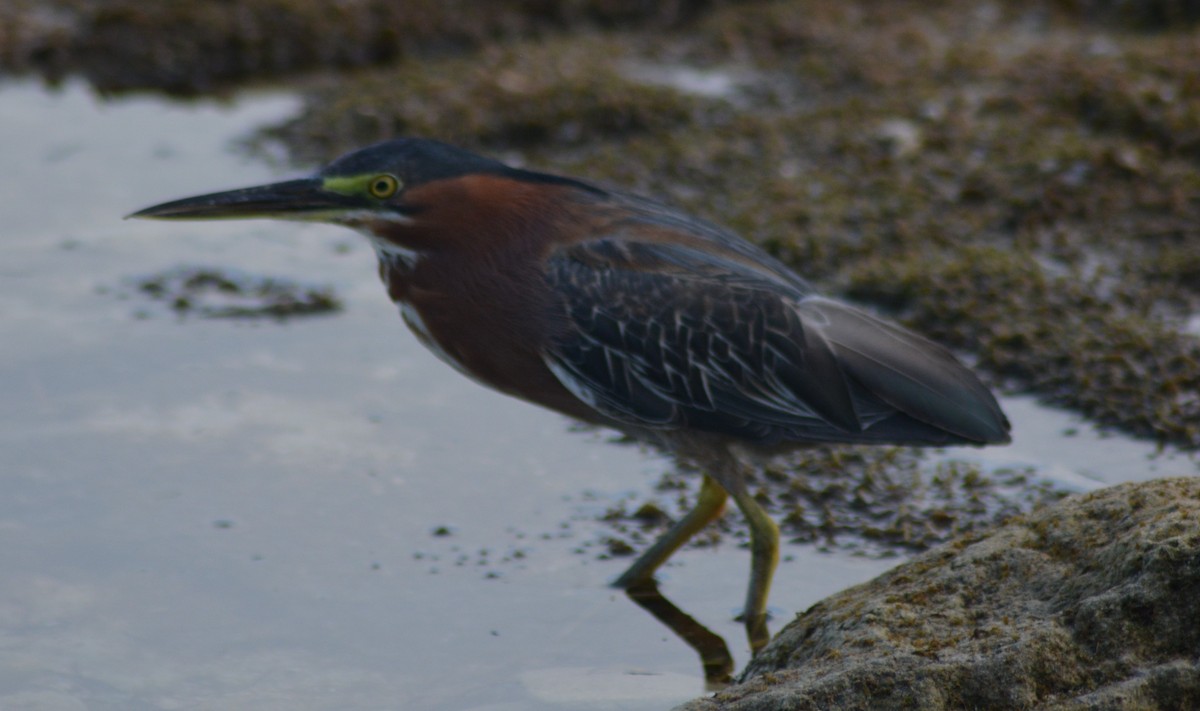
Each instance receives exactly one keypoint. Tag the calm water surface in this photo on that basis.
(224, 515)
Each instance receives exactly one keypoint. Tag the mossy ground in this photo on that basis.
(1017, 182)
(191, 48)
(1015, 179)
(868, 501)
(213, 292)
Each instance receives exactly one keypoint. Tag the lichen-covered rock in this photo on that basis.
(1093, 603)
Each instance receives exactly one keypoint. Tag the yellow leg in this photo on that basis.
(709, 505)
(764, 556)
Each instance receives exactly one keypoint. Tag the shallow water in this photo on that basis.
(207, 514)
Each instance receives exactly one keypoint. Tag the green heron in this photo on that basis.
(624, 312)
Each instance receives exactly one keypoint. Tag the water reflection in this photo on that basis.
(715, 658)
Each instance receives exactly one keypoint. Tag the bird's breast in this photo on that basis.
(416, 323)
(488, 329)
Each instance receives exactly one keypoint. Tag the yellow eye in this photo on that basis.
(384, 186)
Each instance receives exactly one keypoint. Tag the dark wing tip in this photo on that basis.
(1002, 432)
(910, 373)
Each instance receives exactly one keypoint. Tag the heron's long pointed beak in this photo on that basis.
(304, 199)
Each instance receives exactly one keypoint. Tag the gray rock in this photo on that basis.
(1092, 603)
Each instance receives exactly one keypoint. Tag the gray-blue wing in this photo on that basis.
(665, 336)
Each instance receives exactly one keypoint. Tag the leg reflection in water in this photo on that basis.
(714, 654)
